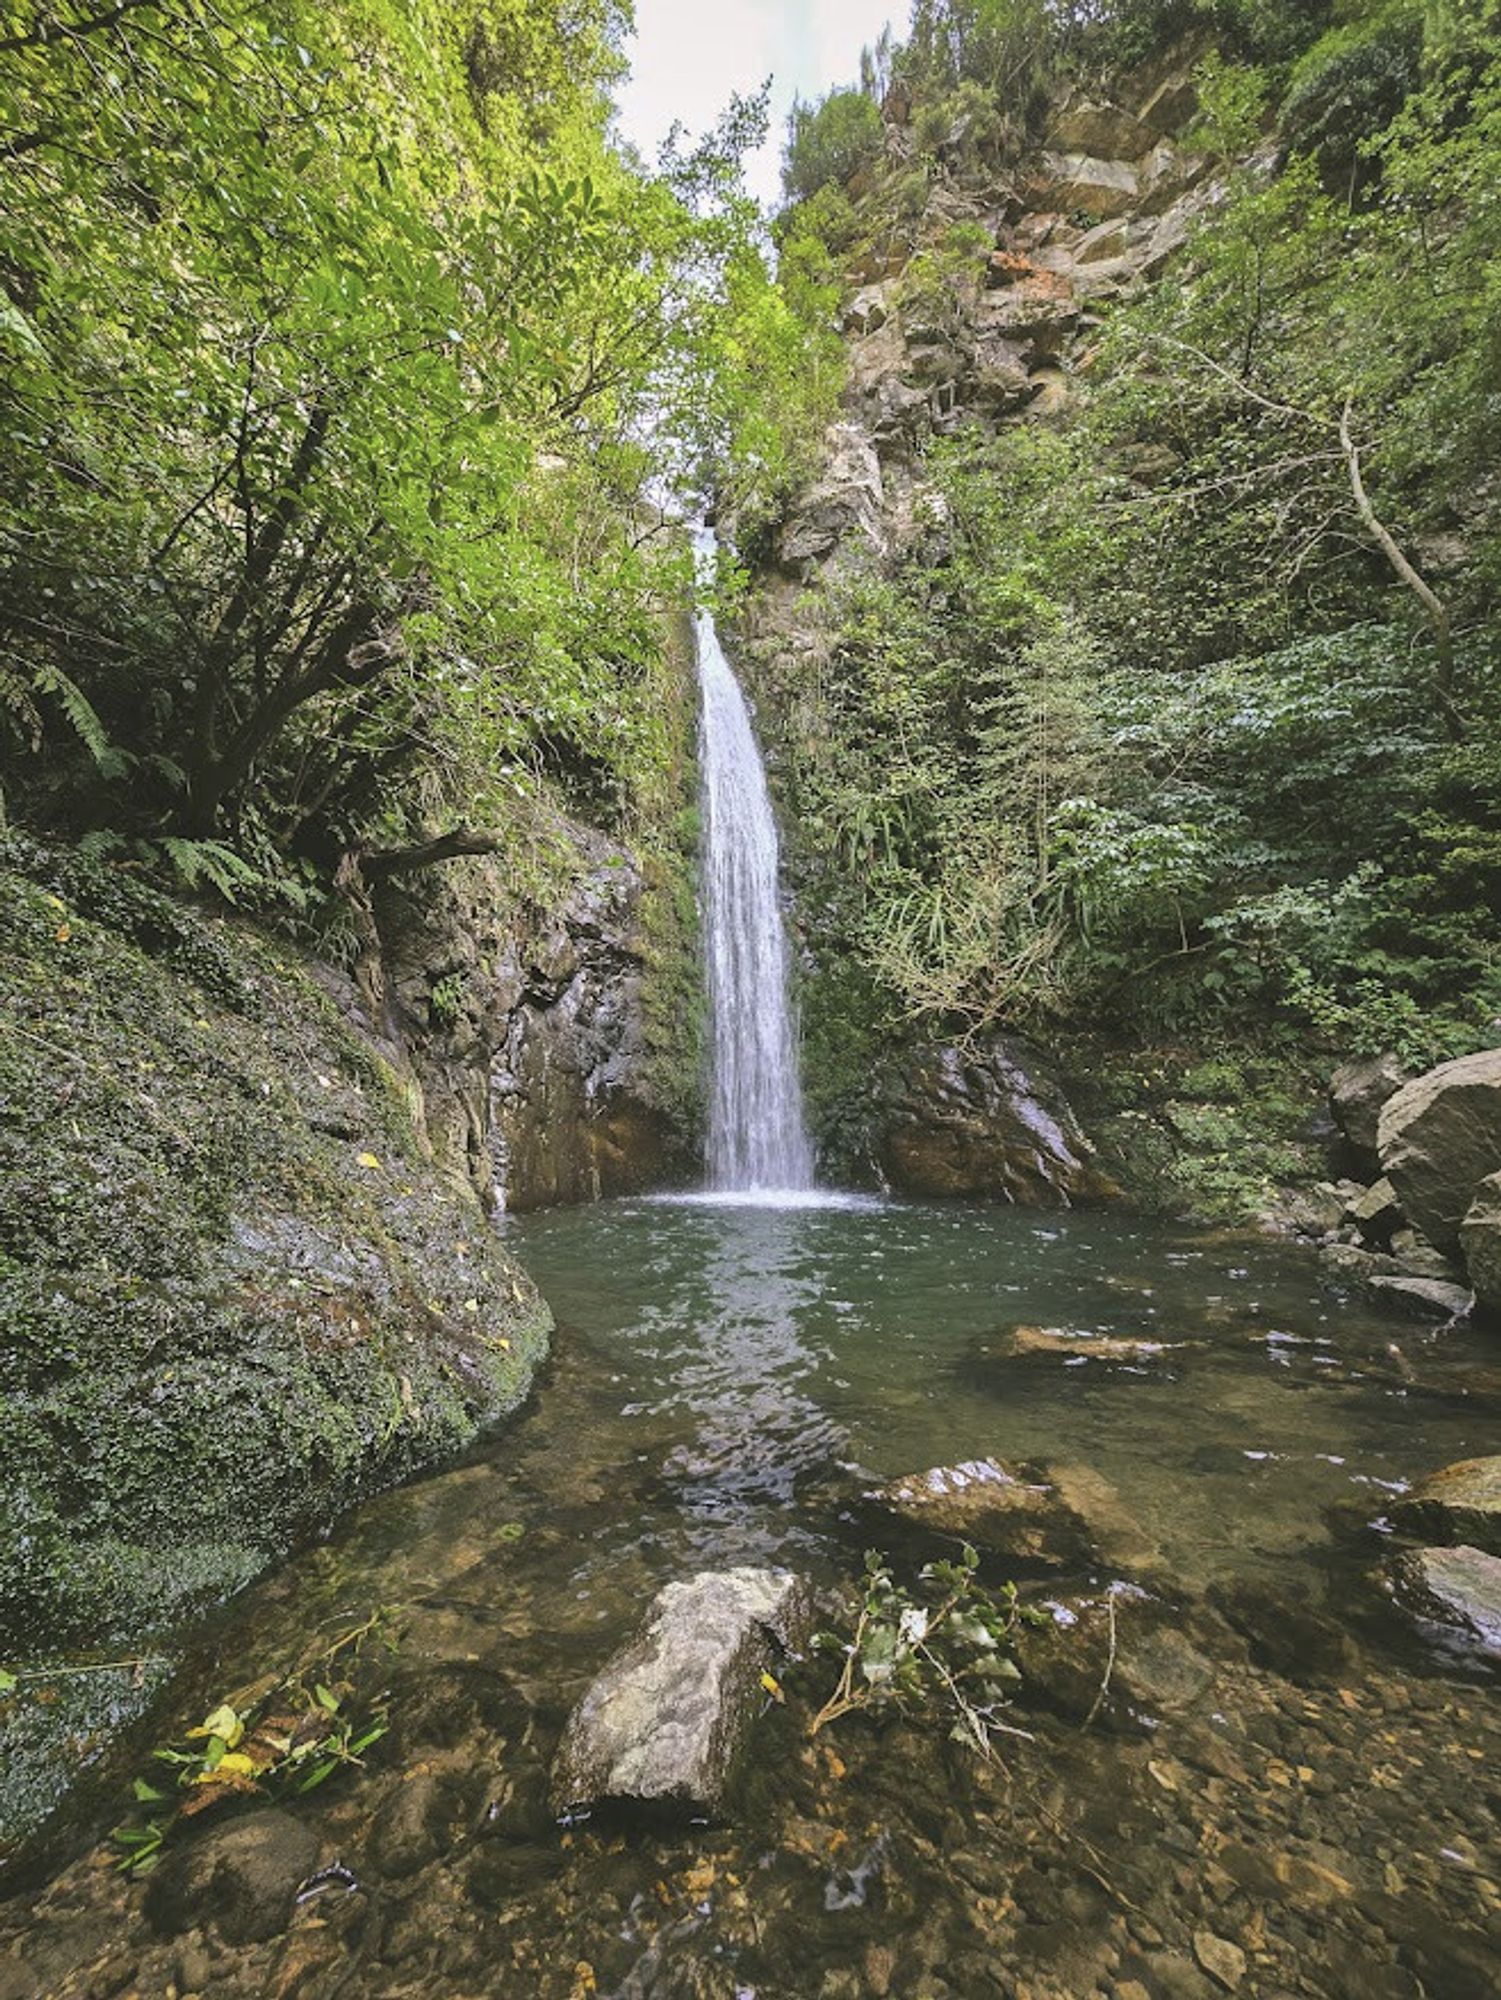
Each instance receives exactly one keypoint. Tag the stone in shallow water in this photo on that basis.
(1460, 1503)
(667, 1718)
(982, 1501)
(242, 1878)
(1438, 1137)
(1456, 1588)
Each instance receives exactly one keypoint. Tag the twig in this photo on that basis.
(1104, 1687)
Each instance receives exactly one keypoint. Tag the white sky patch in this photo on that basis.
(688, 57)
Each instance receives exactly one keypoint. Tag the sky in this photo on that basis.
(688, 56)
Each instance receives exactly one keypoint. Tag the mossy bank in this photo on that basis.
(235, 1293)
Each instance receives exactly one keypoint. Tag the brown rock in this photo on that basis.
(1439, 1137)
(1459, 1589)
(1460, 1503)
(241, 1879)
(1480, 1242)
(1102, 130)
(1223, 1961)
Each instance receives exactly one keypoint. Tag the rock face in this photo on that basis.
(1480, 1241)
(1439, 1137)
(988, 1124)
(846, 500)
(1461, 1503)
(666, 1720)
(1458, 1589)
(530, 1051)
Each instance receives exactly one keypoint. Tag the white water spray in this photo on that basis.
(757, 1140)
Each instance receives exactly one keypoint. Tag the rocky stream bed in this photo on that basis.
(1286, 1787)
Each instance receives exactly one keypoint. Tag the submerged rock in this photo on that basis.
(1459, 1589)
(1460, 1503)
(666, 1720)
(1439, 1137)
(988, 1122)
(242, 1878)
(1421, 1298)
(1119, 1656)
(1060, 1515)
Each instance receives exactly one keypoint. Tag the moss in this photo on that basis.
(234, 1296)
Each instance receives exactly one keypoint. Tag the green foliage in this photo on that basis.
(281, 1738)
(828, 142)
(940, 1650)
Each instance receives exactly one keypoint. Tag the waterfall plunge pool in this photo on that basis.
(729, 1379)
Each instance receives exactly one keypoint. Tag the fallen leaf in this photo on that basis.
(367, 1160)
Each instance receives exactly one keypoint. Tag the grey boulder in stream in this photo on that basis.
(665, 1721)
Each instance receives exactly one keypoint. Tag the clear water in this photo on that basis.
(730, 1379)
(756, 1135)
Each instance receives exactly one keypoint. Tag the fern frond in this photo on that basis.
(18, 707)
(197, 861)
(82, 717)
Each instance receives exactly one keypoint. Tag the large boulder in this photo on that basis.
(1458, 1590)
(1460, 1503)
(1102, 188)
(1103, 130)
(987, 1122)
(1480, 1241)
(666, 1720)
(1439, 1137)
(1357, 1091)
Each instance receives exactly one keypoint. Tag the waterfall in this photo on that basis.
(756, 1136)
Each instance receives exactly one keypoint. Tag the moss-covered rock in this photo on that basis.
(235, 1295)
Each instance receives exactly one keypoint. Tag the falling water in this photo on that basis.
(756, 1135)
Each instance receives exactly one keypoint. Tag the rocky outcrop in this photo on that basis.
(1460, 1503)
(1439, 1137)
(845, 501)
(986, 1122)
(667, 1719)
(1480, 1243)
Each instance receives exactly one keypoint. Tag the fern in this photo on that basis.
(83, 718)
(198, 861)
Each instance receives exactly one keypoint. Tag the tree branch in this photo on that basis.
(1438, 615)
(406, 860)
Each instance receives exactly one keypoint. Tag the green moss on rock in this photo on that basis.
(235, 1296)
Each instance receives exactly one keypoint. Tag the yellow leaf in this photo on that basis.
(772, 1686)
(63, 933)
(233, 1764)
(223, 1722)
(367, 1160)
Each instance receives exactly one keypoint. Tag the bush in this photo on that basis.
(828, 142)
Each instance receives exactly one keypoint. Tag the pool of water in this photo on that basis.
(1311, 1808)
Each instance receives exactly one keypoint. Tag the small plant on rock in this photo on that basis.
(944, 1649)
(276, 1739)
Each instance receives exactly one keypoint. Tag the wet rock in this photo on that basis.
(1421, 1298)
(1460, 1503)
(407, 1833)
(1119, 1657)
(1439, 1137)
(1480, 1241)
(17, 1981)
(666, 1719)
(987, 1122)
(1357, 1091)
(997, 1507)
(1091, 1498)
(1457, 1589)
(1079, 1344)
(241, 1879)
(1223, 1961)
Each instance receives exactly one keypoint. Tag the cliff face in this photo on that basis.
(978, 316)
